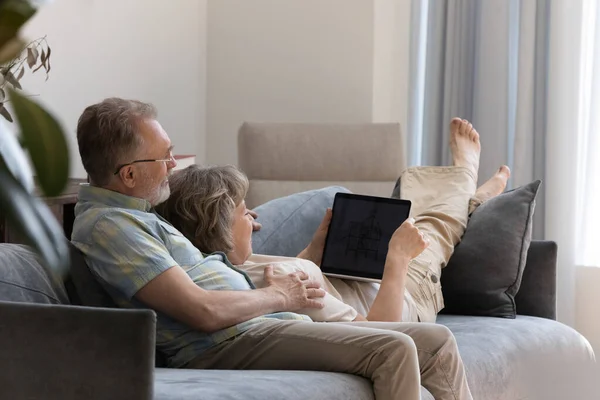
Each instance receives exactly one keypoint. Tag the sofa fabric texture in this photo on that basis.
(282, 159)
(52, 351)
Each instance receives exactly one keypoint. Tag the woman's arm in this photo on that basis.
(406, 243)
(389, 302)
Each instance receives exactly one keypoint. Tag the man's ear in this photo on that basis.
(127, 175)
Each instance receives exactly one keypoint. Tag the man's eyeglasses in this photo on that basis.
(165, 160)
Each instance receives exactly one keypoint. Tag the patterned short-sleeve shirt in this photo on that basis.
(126, 245)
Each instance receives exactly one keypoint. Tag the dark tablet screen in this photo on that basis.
(359, 233)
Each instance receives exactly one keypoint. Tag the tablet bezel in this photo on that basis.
(353, 273)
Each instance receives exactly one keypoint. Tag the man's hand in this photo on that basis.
(314, 251)
(407, 241)
(255, 225)
(296, 290)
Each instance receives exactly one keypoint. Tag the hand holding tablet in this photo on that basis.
(361, 228)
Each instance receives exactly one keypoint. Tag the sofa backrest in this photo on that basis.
(24, 279)
(284, 158)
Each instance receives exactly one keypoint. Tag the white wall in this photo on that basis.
(391, 61)
(286, 61)
(209, 68)
(150, 50)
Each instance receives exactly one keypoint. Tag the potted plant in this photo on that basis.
(40, 137)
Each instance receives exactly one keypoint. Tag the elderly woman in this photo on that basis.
(207, 206)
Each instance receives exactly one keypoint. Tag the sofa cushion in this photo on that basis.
(484, 273)
(190, 384)
(261, 385)
(522, 358)
(24, 279)
(290, 222)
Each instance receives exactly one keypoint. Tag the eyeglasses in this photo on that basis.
(165, 160)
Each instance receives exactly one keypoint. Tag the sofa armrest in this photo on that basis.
(537, 294)
(68, 352)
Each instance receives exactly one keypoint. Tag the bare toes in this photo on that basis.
(455, 123)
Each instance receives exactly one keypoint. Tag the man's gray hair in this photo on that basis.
(202, 204)
(107, 135)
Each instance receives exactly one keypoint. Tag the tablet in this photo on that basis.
(361, 227)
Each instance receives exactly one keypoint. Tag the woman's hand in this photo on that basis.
(297, 290)
(314, 251)
(407, 241)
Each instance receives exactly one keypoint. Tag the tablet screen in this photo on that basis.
(360, 230)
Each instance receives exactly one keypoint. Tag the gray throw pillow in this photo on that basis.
(484, 273)
(290, 222)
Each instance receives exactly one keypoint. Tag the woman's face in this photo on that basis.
(242, 235)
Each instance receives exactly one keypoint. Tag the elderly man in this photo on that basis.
(210, 315)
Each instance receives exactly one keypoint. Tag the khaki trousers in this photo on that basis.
(442, 199)
(396, 357)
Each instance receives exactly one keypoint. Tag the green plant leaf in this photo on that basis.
(48, 61)
(20, 74)
(2, 95)
(44, 138)
(13, 14)
(33, 222)
(11, 49)
(10, 78)
(4, 112)
(35, 53)
(31, 59)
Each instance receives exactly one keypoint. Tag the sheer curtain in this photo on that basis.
(588, 151)
(527, 73)
(485, 61)
(587, 187)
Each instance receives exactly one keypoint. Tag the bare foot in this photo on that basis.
(494, 186)
(465, 146)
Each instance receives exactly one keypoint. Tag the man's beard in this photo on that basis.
(157, 193)
(160, 195)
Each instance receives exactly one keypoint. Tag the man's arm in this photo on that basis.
(135, 261)
(175, 294)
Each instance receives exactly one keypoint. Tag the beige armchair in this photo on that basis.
(285, 158)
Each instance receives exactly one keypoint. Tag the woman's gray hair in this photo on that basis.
(202, 204)
(107, 135)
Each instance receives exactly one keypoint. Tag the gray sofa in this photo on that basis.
(54, 348)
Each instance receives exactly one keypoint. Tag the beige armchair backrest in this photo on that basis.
(285, 158)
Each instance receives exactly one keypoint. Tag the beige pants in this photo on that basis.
(442, 198)
(397, 357)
